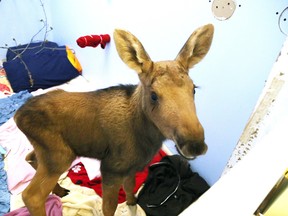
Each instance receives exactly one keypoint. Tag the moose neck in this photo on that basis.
(148, 132)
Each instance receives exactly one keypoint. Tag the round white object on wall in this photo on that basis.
(223, 9)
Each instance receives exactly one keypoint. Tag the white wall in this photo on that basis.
(21, 20)
(231, 76)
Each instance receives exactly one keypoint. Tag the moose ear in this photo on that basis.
(131, 51)
(196, 47)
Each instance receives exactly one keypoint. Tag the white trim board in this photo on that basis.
(260, 120)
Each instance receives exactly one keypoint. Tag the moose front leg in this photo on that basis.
(110, 190)
(129, 185)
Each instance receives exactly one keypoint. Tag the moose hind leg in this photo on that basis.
(50, 165)
(36, 193)
(129, 185)
(58, 190)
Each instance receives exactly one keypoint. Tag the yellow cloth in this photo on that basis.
(73, 59)
(83, 201)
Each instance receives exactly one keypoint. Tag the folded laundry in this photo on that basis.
(10, 104)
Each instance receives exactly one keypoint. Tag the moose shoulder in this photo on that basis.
(123, 126)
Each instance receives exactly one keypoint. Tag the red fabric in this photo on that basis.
(93, 40)
(78, 175)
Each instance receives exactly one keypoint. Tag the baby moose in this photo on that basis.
(123, 126)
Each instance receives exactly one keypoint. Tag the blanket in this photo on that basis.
(4, 192)
(9, 105)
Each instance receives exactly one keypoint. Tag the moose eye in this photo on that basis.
(194, 90)
(154, 97)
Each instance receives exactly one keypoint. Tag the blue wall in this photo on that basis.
(231, 76)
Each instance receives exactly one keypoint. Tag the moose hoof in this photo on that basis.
(60, 191)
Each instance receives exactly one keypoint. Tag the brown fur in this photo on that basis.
(123, 126)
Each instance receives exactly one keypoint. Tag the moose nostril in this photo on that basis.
(205, 148)
(191, 149)
(199, 148)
